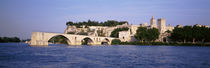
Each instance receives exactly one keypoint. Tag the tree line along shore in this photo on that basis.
(11, 40)
(186, 35)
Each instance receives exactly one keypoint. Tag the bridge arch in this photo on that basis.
(59, 38)
(105, 41)
(42, 38)
(87, 41)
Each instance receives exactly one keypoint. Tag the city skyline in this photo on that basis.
(20, 18)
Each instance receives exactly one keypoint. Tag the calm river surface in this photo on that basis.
(20, 55)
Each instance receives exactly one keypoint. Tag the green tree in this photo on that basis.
(197, 33)
(187, 33)
(176, 34)
(168, 31)
(183, 34)
(145, 34)
(207, 35)
(69, 23)
(71, 33)
(190, 34)
(141, 33)
(1, 40)
(9, 39)
(115, 32)
(153, 34)
(95, 23)
(115, 42)
(15, 39)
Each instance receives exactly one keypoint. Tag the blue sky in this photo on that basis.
(21, 17)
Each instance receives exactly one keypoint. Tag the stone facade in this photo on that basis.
(169, 28)
(199, 25)
(101, 34)
(70, 29)
(153, 22)
(42, 38)
(125, 35)
(162, 25)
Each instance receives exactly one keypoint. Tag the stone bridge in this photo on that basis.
(42, 38)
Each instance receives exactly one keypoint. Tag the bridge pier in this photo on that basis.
(37, 39)
(39, 43)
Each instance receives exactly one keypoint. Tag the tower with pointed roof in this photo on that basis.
(153, 22)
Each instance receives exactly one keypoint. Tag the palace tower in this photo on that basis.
(153, 22)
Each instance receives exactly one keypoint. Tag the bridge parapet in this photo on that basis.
(42, 38)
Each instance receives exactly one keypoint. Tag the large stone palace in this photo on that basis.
(124, 36)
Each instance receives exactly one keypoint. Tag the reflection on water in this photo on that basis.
(18, 55)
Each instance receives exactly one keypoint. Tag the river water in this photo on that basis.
(20, 55)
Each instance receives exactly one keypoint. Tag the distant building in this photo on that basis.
(169, 27)
(179, 25)
(153, 22)
(70, 29)
(162, 25)
(127, 36)
(199, 25)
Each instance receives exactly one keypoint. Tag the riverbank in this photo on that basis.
(163, 44)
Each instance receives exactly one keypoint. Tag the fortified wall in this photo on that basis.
(124, 36)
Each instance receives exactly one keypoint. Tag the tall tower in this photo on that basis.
(162, 25)
(153, 22)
